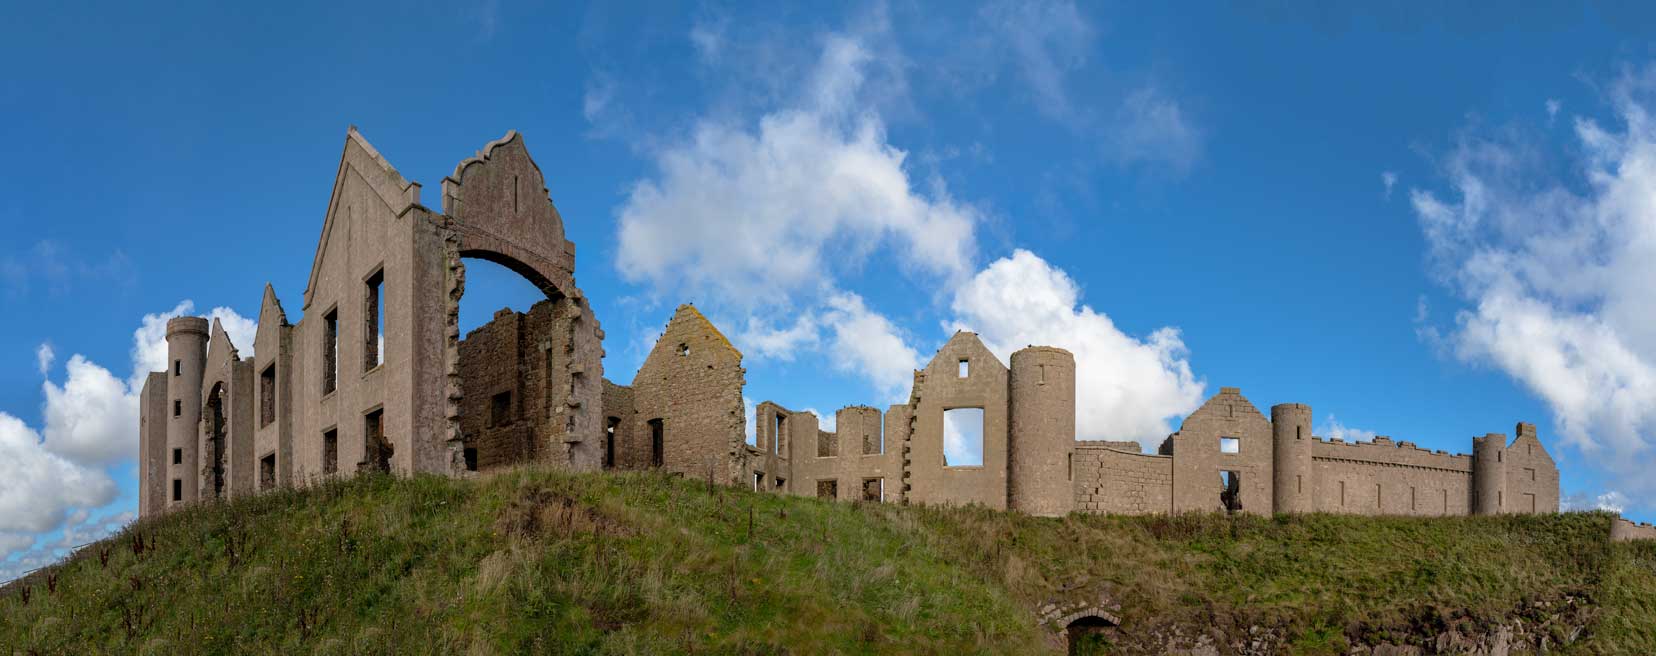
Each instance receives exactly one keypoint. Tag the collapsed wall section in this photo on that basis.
(854, 462)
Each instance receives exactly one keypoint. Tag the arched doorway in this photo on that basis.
(1090, 634)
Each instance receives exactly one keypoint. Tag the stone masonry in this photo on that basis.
(375, 375)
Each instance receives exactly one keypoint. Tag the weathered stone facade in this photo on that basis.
(375, 375)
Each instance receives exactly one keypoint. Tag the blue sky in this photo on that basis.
(1427, 226)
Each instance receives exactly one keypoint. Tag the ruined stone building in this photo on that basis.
(375, 375)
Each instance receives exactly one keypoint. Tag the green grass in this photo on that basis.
(535, 561)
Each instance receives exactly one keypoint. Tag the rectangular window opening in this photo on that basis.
(376, 449)
(658, 454)
(373, 316)
(330, 452)
(873, 489)
(1230, 445)
(178, 408)
(178, 368)
(758, 481)
(965, 368)
(871, 438)
(777, 432)
(1342, 494)
(1230, 490)
(1379, 498)
(963, 437)
(610, 423)
(178, 490)
(500, 409)
(267, 472)
(780, 482)
(267, 395)
(330, 351)
(827, 444)
(178, 456)
(828, 489)
(1299, 483)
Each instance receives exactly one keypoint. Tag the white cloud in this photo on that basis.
(1611, 501)
(866, 342)
(963, 437)
(91, 423)
(759, 338)
(1152, 127)
(827, 421)
(1555, 269)
(757, 213)
(1389, 179)
(44, 356)
(38, 488)
(1126, 388)
(1333, 429)
(1553, 105)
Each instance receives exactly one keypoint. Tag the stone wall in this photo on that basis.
(1532, 477)
(1198, 459)
(1384, 477)
(691, 383)
(930, 478)
(1111, 479)
(1622, 530)
(859, 468)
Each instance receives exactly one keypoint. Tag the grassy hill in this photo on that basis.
(545, 562)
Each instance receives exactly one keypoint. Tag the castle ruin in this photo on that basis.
(375, 375)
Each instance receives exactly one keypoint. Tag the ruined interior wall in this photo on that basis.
(513, 357)
(630, 451)
(1531, 475)
(1383, 477)
(859, 429)
(899, 422)
(692, 381)
(1622, 530)
(1197, 460)
(227, 372)
(1110, 479)
(930, 481)
(273, 347)
(152, 444)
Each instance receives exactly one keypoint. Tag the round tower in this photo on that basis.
(1041, 439)
(1489, 474)
(186, 361)
(1291, 440)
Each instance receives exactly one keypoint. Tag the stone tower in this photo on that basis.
(1042, 431)
(1489, 474)
(1291, 444)
(186, 362)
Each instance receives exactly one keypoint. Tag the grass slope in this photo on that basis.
(545, 562)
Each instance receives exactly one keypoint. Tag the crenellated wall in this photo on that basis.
(1383, 477)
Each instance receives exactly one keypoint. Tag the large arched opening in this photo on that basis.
(212, 415)
(506, 314)
(1090, 634)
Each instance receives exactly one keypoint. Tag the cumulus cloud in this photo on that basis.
(761, 211)
(91, 423)
(1611, 501)
(963, 437)
(1555, 268)
(1127, 388)
(870, 344)
(1333, 429)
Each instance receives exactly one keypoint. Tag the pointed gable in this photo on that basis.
(964, 345)
(689, 332)
(360, 161)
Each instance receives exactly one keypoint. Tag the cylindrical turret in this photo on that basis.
(1041, 439)
(1291, 444)
(186, 361)
(1489, 474)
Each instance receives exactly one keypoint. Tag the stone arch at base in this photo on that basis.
(1074, 623)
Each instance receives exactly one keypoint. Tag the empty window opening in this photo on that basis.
(610, 423)
(963, 437)
(1299, 484)
(1500, 456)
(216, 452)
(178, 490)
(780, 482)
(683, 350)
(1230, 445)
(1299, 432)
(873, 489)
(1500, 499)
(1413, 502)
(873, 440)
(178, 456)
(178, 408)
(267, 472)
(178, 368)
(1069, 467)
(500, 409)
(827, 444)
(373, 316)
(758, 481)
(330, 452)
(1230, 491)
(470, 454)
(658, 455)
(377, 450)
(1091, 634)
(330, 351)
(828, 489)
(777, 431)
(267, 396)
(514, 194)
(1342, 494)
(965, 368)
